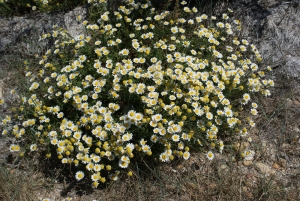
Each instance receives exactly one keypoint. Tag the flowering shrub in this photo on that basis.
(140, 84)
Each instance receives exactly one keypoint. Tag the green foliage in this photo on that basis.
(5, 10)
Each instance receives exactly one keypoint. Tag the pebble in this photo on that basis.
(247, 163)
(223, 167)
(275, 166)
(263, 168)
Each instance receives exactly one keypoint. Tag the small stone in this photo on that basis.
(223, 167)
(213, 185)
(263, 168)
(246, 144)
(275, 166)
(74, 28)
(247, 163)
(297, 103)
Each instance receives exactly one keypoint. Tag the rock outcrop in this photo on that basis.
(274, 26)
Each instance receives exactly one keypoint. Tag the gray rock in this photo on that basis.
(73, 26)
(281, 36)
(274, 27)
(21, 34)
(292, 66)
(269, 3)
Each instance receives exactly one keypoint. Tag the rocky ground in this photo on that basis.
(271, 173)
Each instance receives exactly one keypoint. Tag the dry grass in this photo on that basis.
(16, 184)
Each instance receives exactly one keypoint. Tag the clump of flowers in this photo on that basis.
(140, 84)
